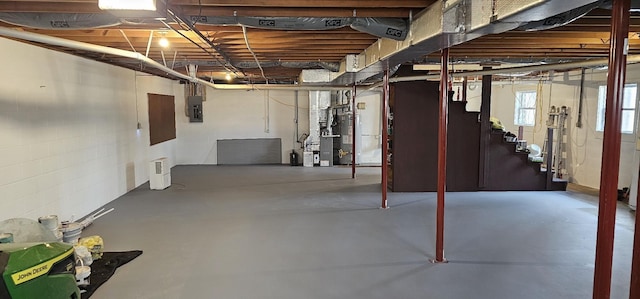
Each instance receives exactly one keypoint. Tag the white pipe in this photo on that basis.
(175, 54)
(149, 43)
(164, 61)
(128, 41)
(56, 41)
(529, 68)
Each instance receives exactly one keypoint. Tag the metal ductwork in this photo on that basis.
(561, 19)
(447, 23)
(393, 28)
(60, 20)
(334, 67)
(382, 27)
(559, 66)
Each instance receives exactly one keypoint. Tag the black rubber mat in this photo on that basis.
(103, 269)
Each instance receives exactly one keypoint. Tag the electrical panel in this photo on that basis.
(194, 109)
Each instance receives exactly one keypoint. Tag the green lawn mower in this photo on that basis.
(38, 270)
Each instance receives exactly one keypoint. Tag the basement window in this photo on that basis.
(525, 112)
(628, 108)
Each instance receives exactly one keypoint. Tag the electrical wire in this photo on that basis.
(575, 161)
(198, 45)
(246, 41)
(285, 104)
(539, 101)
(191, 27)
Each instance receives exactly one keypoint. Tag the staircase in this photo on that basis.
(414, 148)
(510, 169)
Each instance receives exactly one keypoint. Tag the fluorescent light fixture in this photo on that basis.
(135, 9)
(127, 5)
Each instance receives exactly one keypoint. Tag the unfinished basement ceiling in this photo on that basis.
(284, 53)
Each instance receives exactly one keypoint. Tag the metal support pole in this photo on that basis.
(465, 85)
(296, 120)
(580, 104)
(548, 157)
(485, 130)
(443, 116)
(634, 289)
(353, 132)
(611, 149)
(385, 136)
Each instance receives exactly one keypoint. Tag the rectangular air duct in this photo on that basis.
(448, 23)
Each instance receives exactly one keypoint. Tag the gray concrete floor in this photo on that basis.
(293, 232)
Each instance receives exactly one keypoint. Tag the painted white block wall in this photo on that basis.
(68, 138)
(238, 114)
(241, 114)
(584, 155)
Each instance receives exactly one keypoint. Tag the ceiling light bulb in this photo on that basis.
(164, 42)
(228, 76)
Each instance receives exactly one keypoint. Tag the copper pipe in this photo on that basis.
(443, 116)
(385, 136)
(611, 150)
(353, 133)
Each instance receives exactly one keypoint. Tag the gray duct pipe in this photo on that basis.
(60, 20)
(331, 66)
(561, 19)
(393, 28)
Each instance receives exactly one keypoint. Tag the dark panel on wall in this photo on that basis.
(249, 151)
(463, 140)
(162, 118)
(415, 140)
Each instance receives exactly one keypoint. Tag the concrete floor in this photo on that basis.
(294, 232)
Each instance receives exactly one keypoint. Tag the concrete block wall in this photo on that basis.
(239, 114)
(68, 132)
